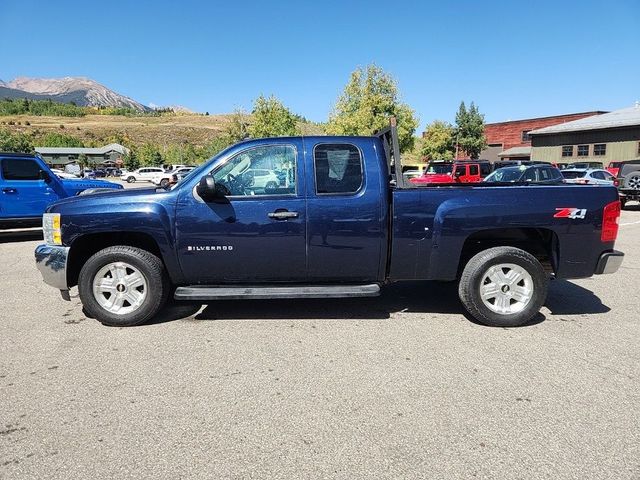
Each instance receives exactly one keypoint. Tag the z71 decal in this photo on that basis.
(570, 213)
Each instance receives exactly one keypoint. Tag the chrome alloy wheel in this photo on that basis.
(119, 288)
(506, 288)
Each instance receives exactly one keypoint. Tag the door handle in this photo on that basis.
(9, 190)
(283, 215)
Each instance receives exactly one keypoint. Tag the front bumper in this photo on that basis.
(609, 262)
(51, 260)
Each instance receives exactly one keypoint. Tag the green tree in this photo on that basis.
(149, 155)
(83, 161)
(368, 100)
(272, 119)
(55, 139)
(238, 127)
(15, 142)
(438, 142)
(470, 130)
(131, 161)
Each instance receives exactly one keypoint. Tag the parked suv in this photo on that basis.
(629, 181)
(142, 174)
(453, 172)
(537, 173)
(165, 179)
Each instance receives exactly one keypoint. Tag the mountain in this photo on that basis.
(80, 90)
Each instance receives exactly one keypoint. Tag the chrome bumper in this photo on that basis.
(609, 262)
(52, 262)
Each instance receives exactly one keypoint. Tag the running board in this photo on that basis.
(205, 292)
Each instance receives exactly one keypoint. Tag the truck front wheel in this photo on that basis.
(123, 286)
(503, 287)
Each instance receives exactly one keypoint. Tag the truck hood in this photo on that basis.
(83, 184)
(111, 198)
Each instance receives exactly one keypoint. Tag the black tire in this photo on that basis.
(151, 268)
(270, 186)
(131, 179)
(164, 183)
(473, 277)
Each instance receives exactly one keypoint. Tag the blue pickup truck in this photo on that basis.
(324, 217)
(28, 186)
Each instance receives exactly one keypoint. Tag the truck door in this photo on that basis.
(257, 231)
(23, 194)
(347, 212)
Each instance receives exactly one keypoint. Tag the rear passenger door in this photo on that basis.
(347, 211)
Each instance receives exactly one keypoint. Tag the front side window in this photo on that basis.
(265, 170)
(18, 169)
(567, 151)
(583, 150)
(338, 168)
(529, 175)
(600, 149)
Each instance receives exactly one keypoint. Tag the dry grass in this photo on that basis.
(170, 129)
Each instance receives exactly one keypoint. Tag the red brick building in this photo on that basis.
(510, 140)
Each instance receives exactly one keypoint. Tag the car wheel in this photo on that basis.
(270, 186)
(632, 181)
(123, 286)
(623, 203)
(131, 179)
(503, 287)
(164, 183)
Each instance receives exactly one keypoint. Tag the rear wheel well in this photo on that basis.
(87, 245)
(542, 243)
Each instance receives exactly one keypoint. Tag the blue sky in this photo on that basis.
(514, 59)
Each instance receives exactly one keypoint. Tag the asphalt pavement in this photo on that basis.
(401, 386)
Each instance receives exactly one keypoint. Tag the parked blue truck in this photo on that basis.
(28, 186)
(337, 223)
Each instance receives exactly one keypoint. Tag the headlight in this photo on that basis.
(51, 228)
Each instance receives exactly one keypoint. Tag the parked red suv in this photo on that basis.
(614, 168)
(450, 172)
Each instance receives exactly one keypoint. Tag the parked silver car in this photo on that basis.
(588, 176)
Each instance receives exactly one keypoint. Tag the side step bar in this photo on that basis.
(205, 292)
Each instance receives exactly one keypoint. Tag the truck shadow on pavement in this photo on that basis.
(565, 298)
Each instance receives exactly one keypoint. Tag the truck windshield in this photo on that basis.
(439, 168)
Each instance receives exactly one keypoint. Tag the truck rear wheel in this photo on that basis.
(503, 287)
(123, 286)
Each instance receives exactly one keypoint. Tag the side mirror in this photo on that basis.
(45, 176)
(207, 187)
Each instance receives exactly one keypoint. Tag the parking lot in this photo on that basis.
(401, 386)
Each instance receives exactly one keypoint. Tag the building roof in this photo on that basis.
(548, 117)
(625, 117)
(516, 152)
(112, 147)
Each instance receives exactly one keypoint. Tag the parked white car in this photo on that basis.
(144, 174)
(587, 176)
(258, 178)
(165, 179)
(62, 174)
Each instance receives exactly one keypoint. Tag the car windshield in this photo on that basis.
(439, 168)
(506, 174)
(570, 174)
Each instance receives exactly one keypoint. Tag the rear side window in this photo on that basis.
(14, 169)
(473, 170)
(338, 168)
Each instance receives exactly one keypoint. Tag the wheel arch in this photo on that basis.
(542, 243)
(87, 245)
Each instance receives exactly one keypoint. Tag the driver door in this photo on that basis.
(256, 232)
